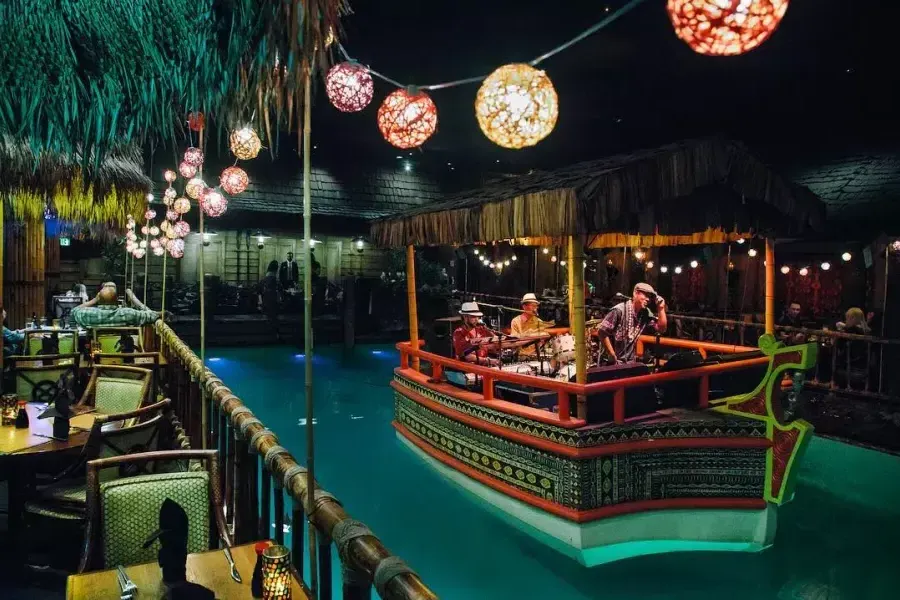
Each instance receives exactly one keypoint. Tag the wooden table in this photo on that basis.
(37, 438)
(209, 569)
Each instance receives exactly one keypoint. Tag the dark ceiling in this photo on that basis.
(820, 83)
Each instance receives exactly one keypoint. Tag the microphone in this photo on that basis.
(621, 296)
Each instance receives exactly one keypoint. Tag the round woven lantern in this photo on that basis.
(196, 121)
(195, 188)
(159, 251)
(181, 228)
(154, 230)
(171, 215)
(170, 175)
(245, 143)
(150, 214)
(234, 180)
(407, 118)
(145, 230)
(182, 205)
(349, 87)
(131, 236)
(154, 243)
(725, 27)
(170, 194)
(176, 248)
(193, 156)
(187, 170)
(517, 106)
(130, 246)
(213, 203)
(170, 232)
(139, 252)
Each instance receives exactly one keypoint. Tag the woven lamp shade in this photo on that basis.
(213, 203)
(193, 156)
(182, 205)
(158, 250)
(170, 232)
(154, 243)
(170, 175)
(407, 118)
(195, 188)
(516, 106)
(187, 170)
(176, 248)
(139, 252)
(154, 230)
(181, 228)
(171, 215)
(170, 194)
(245, 143)
(234, 180)
(196, 121)
(725, 27)
(150, 214)
(349, 87)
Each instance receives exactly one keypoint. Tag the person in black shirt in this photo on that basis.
(269, 291)
(289, 274)
(620, 328)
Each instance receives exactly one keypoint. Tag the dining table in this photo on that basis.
(209, 569)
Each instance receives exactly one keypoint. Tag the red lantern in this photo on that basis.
(349, 87)
(193, 156)
(234, 180)
(187, 170)
(196, 121)
(407, 118)
(725, 27)
(213, 203)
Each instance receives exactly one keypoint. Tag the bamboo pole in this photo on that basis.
(125, 277)
(204, 416)
(887, 260)
(411, 299)
(162, 310)
(570, 280)
(770, 286)
(2, 275)
(307, 327)
(146, 254)
(576, 293)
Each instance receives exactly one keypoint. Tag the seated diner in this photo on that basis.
(104, 311)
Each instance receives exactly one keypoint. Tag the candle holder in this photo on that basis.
(276, 568)
(8, 409)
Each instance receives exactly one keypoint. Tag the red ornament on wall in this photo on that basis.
(725, 27)
(407, 118)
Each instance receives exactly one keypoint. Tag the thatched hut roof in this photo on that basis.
(31, 182)
(695, 191)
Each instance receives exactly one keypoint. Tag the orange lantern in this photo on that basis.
(234, 180)
(725, 27)
(407, 118)
(196, 121)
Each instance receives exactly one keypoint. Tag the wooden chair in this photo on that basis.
(124, 512)
(144, 360)
(117, 388)
(112, 340)
(37, 377)
(61, 341)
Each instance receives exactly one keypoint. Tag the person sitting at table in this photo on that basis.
(470, 329)
(104, 311)
(528, 323)
(12, 338)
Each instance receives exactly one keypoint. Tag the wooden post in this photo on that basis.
(770, 286)
(570, 273)
(2, 275)
(576, 293)
(204, 418)
(411, 299)
(349, 312)
(162, 311)
(147, 224)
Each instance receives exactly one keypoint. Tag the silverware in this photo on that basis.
(125, 583)
(234, 572)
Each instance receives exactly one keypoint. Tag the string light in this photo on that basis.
(803, 272)
(846, 256)
(514, 257)
(895, 245)
(407, 118)
(740, 240)
(639, 254)
(785, 269)
(751, 252)
(562, 263)
(516, 106)
(506, 262)
(547, 250)
(825, 266)
(649, 265)
(678, 270)
(664, 269)
(349, 87)
(491, 265)
(476, 251)
(725, 27)
(553, 258)
(694, 264)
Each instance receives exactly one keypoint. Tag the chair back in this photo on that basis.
(37, 379)
(112, 340)
(146, 429)
(122, 513)
(117, 389)
(62, 341)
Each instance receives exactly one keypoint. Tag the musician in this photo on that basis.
(527, 322)
(471, 329)
(620, 328)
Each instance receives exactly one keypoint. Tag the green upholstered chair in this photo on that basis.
(117, 388)
(66, 341)
(154, 428)
(122, 513)
(144, 360)
(36, 377)
(110, 339)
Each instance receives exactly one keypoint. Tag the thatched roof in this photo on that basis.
(679, 193)
(31, 182)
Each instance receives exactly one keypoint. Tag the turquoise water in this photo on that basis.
(839, 540)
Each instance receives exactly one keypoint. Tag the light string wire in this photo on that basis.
(565, 46)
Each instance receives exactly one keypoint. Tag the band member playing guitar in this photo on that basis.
(620, 328)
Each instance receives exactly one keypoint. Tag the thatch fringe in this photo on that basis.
(675, 194)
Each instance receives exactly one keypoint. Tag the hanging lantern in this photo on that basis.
(517, 106)
(213, 203)
(139, 252)
(181, 228)
(150, 214)
(170, 232)
(171, 215)
(170, 193)
(193, 156)
(154, 230)
(130, 246)
(176, 248)
(725, 27)
(349, 86)
(195, 188)
(187, 170)
(182, 205)
(131, 236)
(234, 180)
(407, 118)
(196, 121)
(159, 251)
(145, 230)
(170, 175)
(245, 143)
(164, 226)
(154, 243)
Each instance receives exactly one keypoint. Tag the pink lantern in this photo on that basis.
(213, 203)
(176, 248)
(145, 230)
(172, 215)
(182, 205)
(170, 175)
(195, 188)
(159, 251)
(234, 180)
(193, 156)
(181, 228)
(154, 243)
(170, 193)
(187, 170)
(131, 236)
(130, 246)
(349, 87)
(139, 252)
(150, 214)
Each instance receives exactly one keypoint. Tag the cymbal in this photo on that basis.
(593, 322)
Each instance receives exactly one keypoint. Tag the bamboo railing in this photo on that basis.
(251, 454)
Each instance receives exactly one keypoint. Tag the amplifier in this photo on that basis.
(526, 395)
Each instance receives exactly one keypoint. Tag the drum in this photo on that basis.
(562, 348)
(518, 368)
(566, 373)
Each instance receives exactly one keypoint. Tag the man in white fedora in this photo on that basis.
(470, 329)
(527, 323)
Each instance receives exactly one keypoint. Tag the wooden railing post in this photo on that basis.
(298, 531)
(488, 387)
(252, 523)
(263, 530)
(240, 487)
(404, 360)
(619, 406)
(562, 400)
(229, 476)
(279, 512)
(223, 455)
(354, 584)
(325, 575)
(704, 391)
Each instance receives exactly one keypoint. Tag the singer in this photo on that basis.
(620, 328)
(471, 329)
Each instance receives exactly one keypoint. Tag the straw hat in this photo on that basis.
(530, 297)
(470, 309)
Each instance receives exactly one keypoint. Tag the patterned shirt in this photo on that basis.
(623, 326)
(462, 340)
(112, 316)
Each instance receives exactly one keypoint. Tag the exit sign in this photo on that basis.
(64, 241)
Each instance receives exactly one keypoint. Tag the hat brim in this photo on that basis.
(471, 314)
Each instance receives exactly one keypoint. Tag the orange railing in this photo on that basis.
(565, 389)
